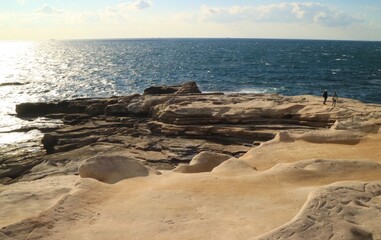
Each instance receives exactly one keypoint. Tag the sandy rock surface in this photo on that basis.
(245, 167)
(112, 169)
(202, 162)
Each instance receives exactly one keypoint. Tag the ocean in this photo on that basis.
(56, 70)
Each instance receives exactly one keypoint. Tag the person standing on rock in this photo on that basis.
(325, 96)
(334, 99)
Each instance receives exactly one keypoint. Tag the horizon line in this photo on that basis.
(184, 38)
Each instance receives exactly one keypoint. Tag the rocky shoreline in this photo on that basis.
(163, 127)
(171, 130)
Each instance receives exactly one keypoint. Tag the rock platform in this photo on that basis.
(174, 163)
(160, 128)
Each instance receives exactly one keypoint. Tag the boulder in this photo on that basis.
(203, 162)
(49, 141)
(188, 87)
(112, 169)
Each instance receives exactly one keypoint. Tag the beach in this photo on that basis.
(175, 163)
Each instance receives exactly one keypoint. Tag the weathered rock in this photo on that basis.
(49, 141)
(116, 109)
(162, 131)
(161, 90)
(65, 145)
(41, 109)
(95, 109)
(203, 162)
(74, 118)
(234, 166)
(338, 211)
(144, 105)
(221, 132)
(173, 128)
(66, 106)
(12, 170)
(112, 169)
(188, 87)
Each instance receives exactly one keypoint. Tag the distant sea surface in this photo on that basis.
(56, 70)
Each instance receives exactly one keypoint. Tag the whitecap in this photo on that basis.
(335, 71)
(255, 90)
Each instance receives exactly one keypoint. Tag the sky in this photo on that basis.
(93, 19)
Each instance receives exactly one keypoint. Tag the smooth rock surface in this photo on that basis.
(202, 162)
(112, 169)
(313, 172)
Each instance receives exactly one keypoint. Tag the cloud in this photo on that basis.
(141, 4)
(46, 9)
(372, 8)
(122, 13)
(281, 13)
(128, 6)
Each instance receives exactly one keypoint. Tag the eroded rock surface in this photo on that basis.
(203, 162)
(257, 167)
(164, 129)
(339, 211)
(112, 169)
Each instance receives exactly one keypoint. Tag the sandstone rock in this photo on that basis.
(95, 109)
(203, 162)
(76, 106)
(338, 211)
(234, 166)
(112, 169)
(30, 198)
(49, 141)
(12, 170)
(259, 193)
(144, 104)
(188, 87)
(360, 123)
(41, 109)
(116, 110)
(74, 118)
(161, 90)
(36, 109)
(220, 123)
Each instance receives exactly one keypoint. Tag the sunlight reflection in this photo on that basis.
(12, 48)
(15, 137)
(12, 55)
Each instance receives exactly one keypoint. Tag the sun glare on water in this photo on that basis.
(16, 61)
(13, 54)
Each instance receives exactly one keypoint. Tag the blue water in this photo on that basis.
(97, 68)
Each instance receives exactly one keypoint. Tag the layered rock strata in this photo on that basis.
(245, 166)
(190, 121)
